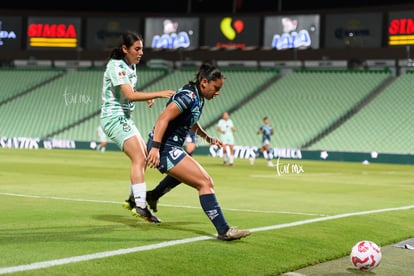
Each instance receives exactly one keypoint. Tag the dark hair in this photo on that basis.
(206, 71)
(127, 38)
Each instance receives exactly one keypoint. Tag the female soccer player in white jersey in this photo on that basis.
(225, 127)
(119, 95)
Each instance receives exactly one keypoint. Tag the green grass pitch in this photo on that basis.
(61, 214)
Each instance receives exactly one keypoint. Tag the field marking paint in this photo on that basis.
(296, 223)
(105, 254)
(165, 205)
(100, 255)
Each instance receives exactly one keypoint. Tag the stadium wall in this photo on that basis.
(245, 152)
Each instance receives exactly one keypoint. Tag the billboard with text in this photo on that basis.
(10, 32)
(53, 32)
(103, 33)
(291, 31)
(400, 28)
(356, 30)
(171, 33)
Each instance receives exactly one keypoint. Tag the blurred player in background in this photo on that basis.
(226, 128)
(267, 131)
(103, 140)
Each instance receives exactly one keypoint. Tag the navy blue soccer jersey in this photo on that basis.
(267, 132)
(190, 104)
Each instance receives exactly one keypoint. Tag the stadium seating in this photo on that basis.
(315, 109)
(16, 81)
(61, 104)
(240, 84)
(303, 103)
(384, 125)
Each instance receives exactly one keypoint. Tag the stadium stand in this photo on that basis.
(316, 109)
(240, 85)
(384, 125)
(49, 109)
(303, 103)
(18, 81)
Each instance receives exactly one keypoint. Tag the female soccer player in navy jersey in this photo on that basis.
(165, 144)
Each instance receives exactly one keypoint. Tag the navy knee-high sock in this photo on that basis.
(165, 185)
(213, 210)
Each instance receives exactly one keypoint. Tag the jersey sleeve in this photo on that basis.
(220, 124)
(118, 74)
(184, 99)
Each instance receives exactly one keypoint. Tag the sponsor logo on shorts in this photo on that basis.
(175, 153)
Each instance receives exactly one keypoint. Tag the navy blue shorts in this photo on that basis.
(169, 157)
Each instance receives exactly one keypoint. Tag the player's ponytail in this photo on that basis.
(207, 71)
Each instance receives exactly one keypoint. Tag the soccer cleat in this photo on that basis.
(152, 202)
(145, 214)
(233, 234)
(129, 203)
(270, 164)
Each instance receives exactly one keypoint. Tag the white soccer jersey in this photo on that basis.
(226, 126)
(113, 101)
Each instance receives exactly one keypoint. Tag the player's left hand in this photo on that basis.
(150, 103)
(216, 142)
(153, 158)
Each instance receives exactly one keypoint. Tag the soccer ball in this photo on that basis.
(365, 255)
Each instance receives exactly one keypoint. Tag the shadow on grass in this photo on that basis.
(51, 234)
(137, 222)
(360, 272)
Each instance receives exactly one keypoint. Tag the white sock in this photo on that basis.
(225, 157)
(140, 194)
(231, 159)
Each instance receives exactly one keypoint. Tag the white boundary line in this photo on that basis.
(166, 205)
(105, 254)
(100, 255)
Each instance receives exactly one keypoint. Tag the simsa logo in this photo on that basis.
(52, 35)
(401, 31)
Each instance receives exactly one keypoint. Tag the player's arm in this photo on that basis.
(203, 134)
(133, 95)
(169, 114)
